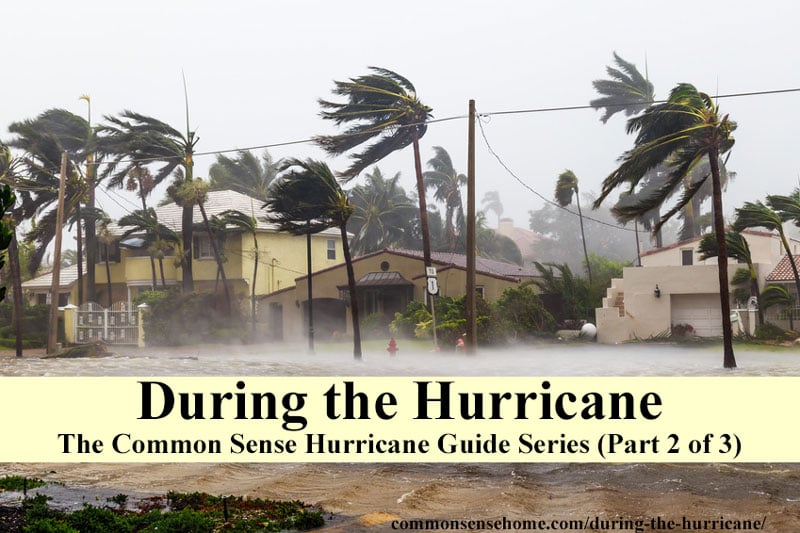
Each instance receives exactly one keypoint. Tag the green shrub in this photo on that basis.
(176, 319)
(523, 314)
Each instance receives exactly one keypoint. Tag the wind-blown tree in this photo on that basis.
(737, 249)
(245, 173)
(758, 215)
(491, 202)
(381, 107)
(106, 238)
(195, 192)
(144, 221)
(43, 140)
(307, 199)
(492, 245)
(680, 133)
(627, 91)
(383, 214)
(248, 224)
(773, 295)
(566, 189)
(131, 140)
(446, 183)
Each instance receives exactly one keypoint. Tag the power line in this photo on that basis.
(531, 189)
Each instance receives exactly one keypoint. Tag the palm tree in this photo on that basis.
(755, 215)
(308, 199)
(143, 221)
(106, 238)
(491, 202)
(680, 133)
(737, 249)
(627, 91)
(384, 215)
(43, 140)
(566, 189)
(446, 183)
(245, 173)
(382, 106)
(195, 192)
(248, 224)
(132, 139)
(778, 295)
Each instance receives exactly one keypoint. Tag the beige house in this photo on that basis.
(674, 287)
(386, 282)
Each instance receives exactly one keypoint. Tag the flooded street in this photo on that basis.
(370, 496)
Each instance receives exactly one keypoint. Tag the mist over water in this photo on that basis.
(425, 489)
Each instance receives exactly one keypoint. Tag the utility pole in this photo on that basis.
(52, 333)
(472, 332)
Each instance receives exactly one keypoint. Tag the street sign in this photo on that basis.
(433, 286)
(430, 272)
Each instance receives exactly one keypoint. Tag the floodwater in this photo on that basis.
(373, 497)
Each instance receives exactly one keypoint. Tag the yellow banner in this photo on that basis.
(399, 419)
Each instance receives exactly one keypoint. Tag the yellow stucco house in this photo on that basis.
(281, 257)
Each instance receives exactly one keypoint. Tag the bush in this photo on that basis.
(35, 320)
(523, 314)
(374, 326)
(771, 332)
(175, 319)
(405, 324)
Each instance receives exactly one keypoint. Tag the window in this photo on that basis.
(331, 249)
(687, 257)
(480, 291)
(110, 250)
(202, 247)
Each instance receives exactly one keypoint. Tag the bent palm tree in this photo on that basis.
(778, 295)
(132, 139)
(446, 183)
(248, 224)
(491, 202)
(307, 199)
(245, 173)
(737, 249)
(627, 91)
(382, 107)
(679, 134)
(566, 188)
(755, 215)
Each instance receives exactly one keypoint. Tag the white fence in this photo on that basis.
(116, 325)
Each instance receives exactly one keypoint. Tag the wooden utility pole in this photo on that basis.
(52, 333)
(472, 332)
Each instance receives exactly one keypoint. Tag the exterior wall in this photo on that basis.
(646, 315)
(452, 282)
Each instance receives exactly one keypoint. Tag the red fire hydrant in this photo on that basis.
(392, 349)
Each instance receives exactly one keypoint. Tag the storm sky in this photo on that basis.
(256, 69)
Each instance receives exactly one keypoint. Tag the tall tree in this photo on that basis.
(758, 215)
(248, 223)
(308, 199)
(627, 91)
(131, 140)
(679, 134)
(43, 140)
(491, 202)
(383, 215)
(195, 192)
(383, 107)
(566, 190)
(143, 221)
(446, 183)
(244, 173)
(737, 249)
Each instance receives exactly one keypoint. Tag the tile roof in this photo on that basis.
(375, 279)
(216, 203)
(66, 278)
(482, 264)
(783, 271)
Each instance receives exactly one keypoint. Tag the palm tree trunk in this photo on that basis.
(217, 256)
(788, 250)
(583, 238)
(91, 233)
(186, 262)
(79, 236)
(108, 278)
(154, 284)
(729, 361)
(253, 287)
(310, 293)
(16, 283)
(161, 269)
(351, 284)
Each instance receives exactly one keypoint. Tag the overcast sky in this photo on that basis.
(255, 71)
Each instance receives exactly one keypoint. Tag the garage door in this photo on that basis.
(701, 311)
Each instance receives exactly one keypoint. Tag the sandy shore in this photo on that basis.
(370, 497)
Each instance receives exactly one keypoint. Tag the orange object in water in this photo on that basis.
(392, 349)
